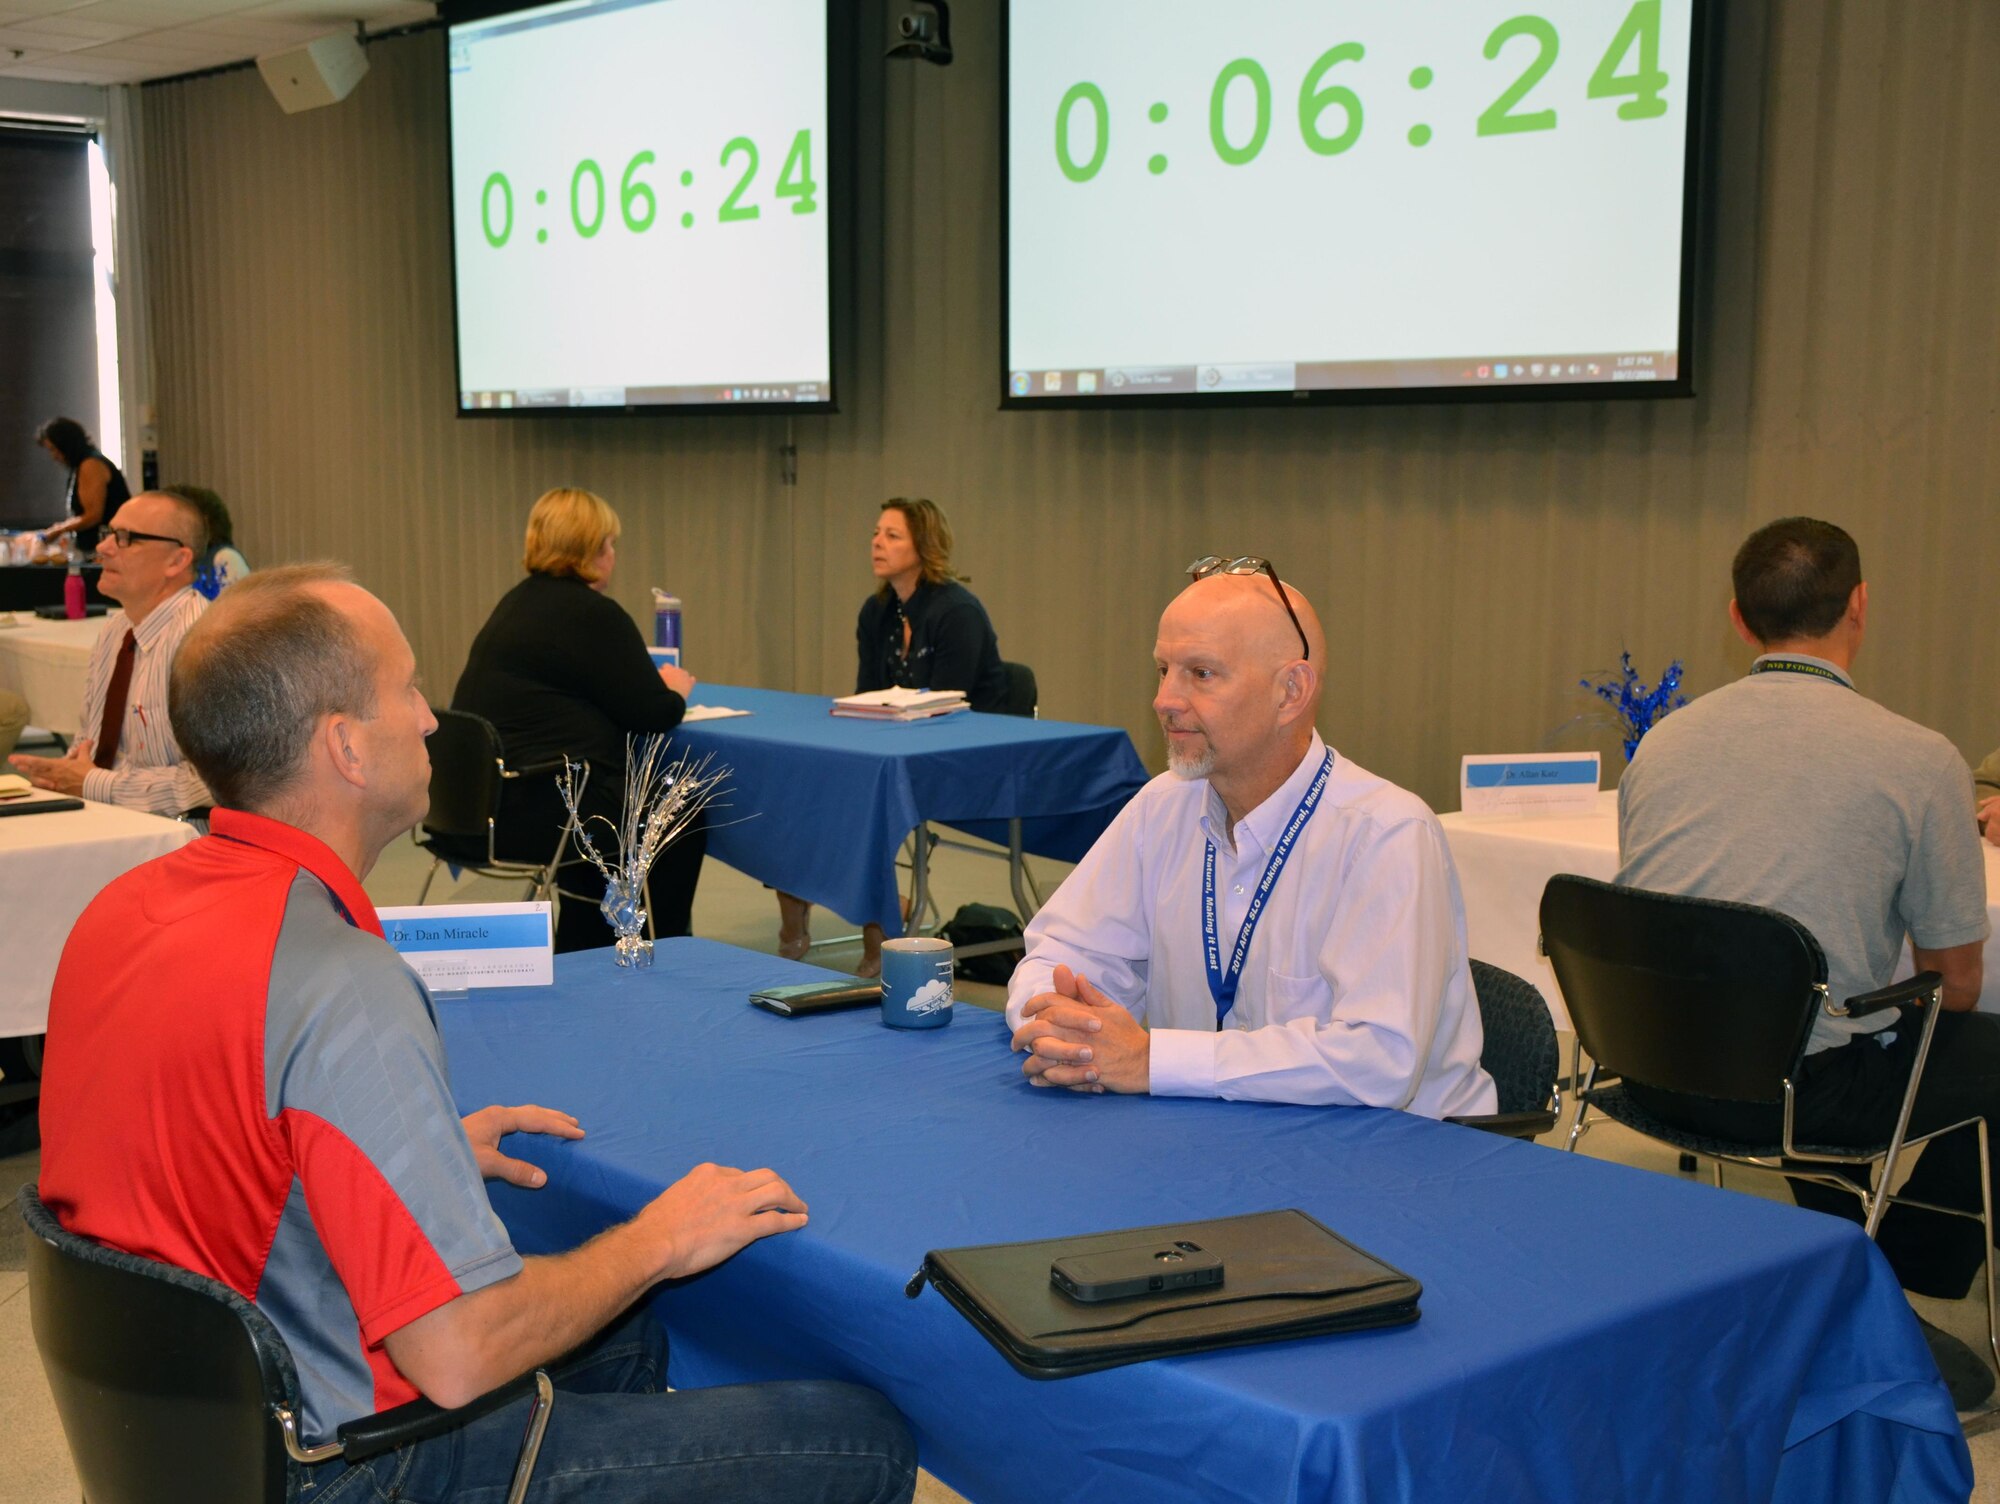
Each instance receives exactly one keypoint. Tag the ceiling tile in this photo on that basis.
(78, 24)
(153, 14)
(13, 39)
(128, 41)
(153, 47)
(247, 30)
(41, 7)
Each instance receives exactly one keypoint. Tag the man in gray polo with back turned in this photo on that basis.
(1791, 790)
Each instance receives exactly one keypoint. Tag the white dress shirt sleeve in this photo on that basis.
(159, 791)
(1096, 923)
(1388, 955)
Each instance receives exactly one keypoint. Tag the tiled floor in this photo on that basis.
(34, 1463)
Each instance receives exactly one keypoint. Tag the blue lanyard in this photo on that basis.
(1222, 985)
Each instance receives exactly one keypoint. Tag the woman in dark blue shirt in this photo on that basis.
(921, 629)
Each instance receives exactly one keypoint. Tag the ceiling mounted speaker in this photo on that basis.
(324, 71)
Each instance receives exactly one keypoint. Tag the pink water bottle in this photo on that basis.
(73, 586)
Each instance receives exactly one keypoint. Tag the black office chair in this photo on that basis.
(469, 773)
(1023, 696)
(1520, 1054)
(171, 1386)
(1717, 1000)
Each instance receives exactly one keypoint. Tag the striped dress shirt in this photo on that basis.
(149, 772)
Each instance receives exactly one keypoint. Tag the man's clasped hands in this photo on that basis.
(1077, 1037)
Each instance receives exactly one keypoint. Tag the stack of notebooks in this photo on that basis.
(900, 704)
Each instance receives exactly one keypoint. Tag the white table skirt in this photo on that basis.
(1504, 862)
(51, 866)
(45, 665)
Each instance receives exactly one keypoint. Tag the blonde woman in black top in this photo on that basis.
(560, 668)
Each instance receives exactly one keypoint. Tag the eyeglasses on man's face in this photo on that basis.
(1202, 568)
(125, 537)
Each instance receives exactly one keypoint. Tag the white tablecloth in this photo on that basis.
(1504, 862)
(51, 866)
(45, 665)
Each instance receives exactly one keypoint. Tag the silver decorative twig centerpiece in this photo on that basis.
(663, 799)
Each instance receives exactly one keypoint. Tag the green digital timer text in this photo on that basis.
(1330, 113)
(638, 200)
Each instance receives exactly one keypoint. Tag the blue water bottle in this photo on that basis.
(666, 627)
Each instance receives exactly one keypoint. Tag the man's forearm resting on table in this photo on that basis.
(1323, 1065)
(480, 1341)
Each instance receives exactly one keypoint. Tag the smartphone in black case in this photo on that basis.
(1143, 1269)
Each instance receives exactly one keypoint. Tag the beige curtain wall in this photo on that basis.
(1471, 562)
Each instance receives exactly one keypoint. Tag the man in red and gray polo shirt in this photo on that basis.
(244, 1080)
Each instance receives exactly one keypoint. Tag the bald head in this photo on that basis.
(276, 652)
(1243, 611)
(1239, 692)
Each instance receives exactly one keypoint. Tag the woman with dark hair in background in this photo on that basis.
(921, 629)
(223, 565)
(561, 670)
(96, 489)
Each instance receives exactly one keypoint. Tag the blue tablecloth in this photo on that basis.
(819, 805)
(1589, 1332)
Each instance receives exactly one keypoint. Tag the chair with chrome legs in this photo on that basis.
(469, 774)
(171, 1386)
(1717, 1000)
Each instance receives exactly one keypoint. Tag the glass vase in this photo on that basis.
(624, 909)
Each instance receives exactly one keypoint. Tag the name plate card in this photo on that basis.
(456, 946)
(1542, 783)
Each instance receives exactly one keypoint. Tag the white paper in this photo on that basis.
(710, 713)
(903, 699)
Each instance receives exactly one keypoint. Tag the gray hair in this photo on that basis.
(255, 675)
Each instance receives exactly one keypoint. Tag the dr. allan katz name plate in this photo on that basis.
(1536, 783)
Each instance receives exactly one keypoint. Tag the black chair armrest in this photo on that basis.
(420, 1420)
(1510, 1124)
(1915, 991)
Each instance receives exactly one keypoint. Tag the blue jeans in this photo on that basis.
(614, 1438)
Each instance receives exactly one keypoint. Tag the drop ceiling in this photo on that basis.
(130, 41)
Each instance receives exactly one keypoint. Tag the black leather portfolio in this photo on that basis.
(1285, 1275)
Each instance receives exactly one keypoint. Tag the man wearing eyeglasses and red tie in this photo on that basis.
(125, 752)
(1266, 921)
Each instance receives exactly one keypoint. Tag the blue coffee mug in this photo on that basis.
(916, 983)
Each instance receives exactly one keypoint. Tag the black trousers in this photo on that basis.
(530, 821)
(1849, 1096)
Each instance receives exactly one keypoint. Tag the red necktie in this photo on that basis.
(113, 724)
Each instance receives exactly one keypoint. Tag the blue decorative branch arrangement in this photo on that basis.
(1639, 708)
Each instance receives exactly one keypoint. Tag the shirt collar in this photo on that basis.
(1267, 821)
(1832, 668)
(160, 618)
(311, 853)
